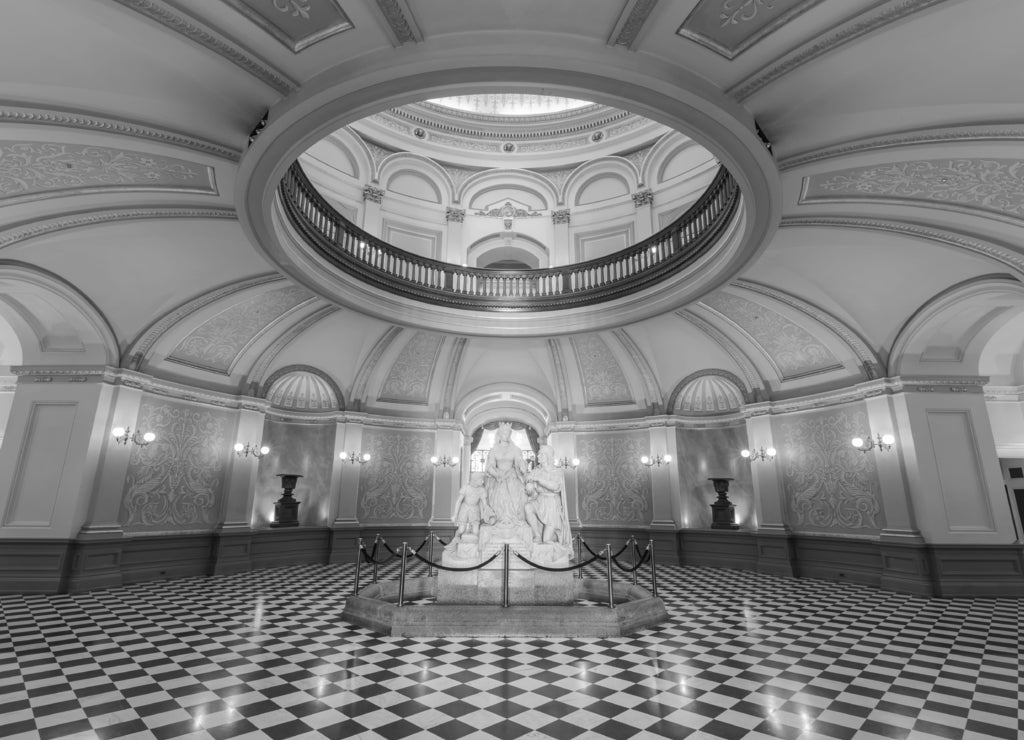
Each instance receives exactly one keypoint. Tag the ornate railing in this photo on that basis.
(378, 263)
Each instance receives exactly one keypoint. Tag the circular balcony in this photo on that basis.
(675, 249)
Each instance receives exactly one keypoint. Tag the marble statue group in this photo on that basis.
(509, 504)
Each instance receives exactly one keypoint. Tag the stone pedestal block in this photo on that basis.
(526, 584)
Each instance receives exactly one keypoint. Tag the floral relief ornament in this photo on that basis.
(741, 11)
(298, 8)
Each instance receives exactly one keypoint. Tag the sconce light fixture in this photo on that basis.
(444, 461)
(354, 457)
(656, 461)
(244, 450)
(565, 462)
(122, 435)
(882, 442)
(761, 454)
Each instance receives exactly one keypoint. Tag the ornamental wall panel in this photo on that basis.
(604, 382)
(614, 486)
(396, 486)
(829, 485)
(409, 379)
(177, 482)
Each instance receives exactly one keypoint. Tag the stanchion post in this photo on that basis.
(401, 578)
(430, 554)
(577, 550)
(636, 551)
(359, 562)
(654, 574)
(504, 580)
(376, 542)
(608, 565)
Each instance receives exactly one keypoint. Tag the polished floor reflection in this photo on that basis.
(264, 655)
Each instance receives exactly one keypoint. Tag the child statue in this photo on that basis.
(471, 508)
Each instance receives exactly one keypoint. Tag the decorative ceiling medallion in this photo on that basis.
(295, 23)
(34, 169)
(730, 27)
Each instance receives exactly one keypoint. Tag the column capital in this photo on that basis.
(373, 194)
(560, 217)
(643, 198)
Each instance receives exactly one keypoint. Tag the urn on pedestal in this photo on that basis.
(723, 513)
(286, 510)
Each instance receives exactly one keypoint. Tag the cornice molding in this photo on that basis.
(1004, 393)
(399, 21)
(138, 350)
(32, 229)
(869, 360)
(174, 19)
(1003, 254)
(855, 27)
(870, 389)
(16, 112)
(648, 422)
(919, 137)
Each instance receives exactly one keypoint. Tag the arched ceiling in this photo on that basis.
(124, 161)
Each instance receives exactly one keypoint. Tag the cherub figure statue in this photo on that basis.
(471, 507)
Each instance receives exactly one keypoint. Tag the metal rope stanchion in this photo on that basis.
(401, 577)
(359, 562)
(654, 575)
(635, 549)
(608, 565)
(504, 580)
(373, 555)
(577, 551)
(430, 553)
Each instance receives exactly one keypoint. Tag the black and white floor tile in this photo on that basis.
(745, 655)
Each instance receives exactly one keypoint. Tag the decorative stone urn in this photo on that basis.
(286, 510)
(723, 513)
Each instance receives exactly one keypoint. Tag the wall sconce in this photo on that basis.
(244, 450)
(565, 462)
(354, 457)
(122, 435)
(883, 442)
(761, 454)
(656, 461)
(444, 461)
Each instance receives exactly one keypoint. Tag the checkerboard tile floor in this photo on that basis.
(745, 655)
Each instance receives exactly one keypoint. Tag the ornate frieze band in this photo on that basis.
(174, 19)
(943, 135)
(853, 28)
(634, 14)
(29, 230)
(990, 185)
(13, 112)
(30, 170)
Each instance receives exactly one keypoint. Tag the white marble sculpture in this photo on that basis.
(524, 509)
